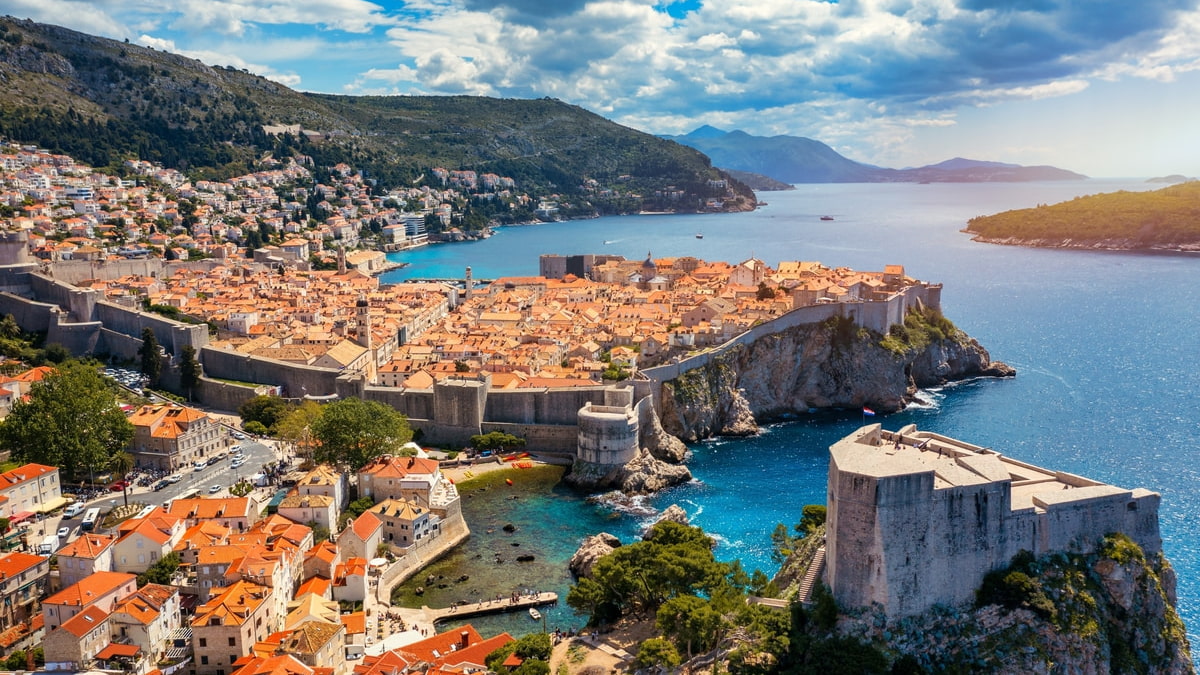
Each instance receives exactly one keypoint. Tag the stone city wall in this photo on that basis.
(558, 438)
(31, 315)
(608, 435)
(296, 380)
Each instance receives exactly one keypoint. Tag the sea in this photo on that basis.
(1106, 346)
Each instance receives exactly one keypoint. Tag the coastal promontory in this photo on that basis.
(1159, 220)
(830, 364)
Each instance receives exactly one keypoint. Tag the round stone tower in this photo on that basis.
(608, 435)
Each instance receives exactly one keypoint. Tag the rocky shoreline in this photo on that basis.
(1121, 245)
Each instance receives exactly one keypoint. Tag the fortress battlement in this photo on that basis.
(917, 519)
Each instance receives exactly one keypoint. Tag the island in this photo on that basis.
(1159, 220)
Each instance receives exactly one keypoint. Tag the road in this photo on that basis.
(221, 473)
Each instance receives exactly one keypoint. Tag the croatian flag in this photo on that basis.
(868, 412)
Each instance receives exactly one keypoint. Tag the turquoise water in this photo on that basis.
(1106, 345)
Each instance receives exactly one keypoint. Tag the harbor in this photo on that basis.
(493, 606)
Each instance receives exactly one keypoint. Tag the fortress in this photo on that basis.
(917, 519)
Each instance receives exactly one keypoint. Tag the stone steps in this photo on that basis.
(815, 568)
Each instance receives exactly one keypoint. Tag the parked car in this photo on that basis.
(174, 478)
(161, 484)
(73, 510)
(200, 465)
(213, 460)
(214, 489)
(239, 435)
(118, 486)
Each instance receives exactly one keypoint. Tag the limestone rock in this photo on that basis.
(592, 549)
(644, 474)
(810, 366)
(675, 514)
(655, 439)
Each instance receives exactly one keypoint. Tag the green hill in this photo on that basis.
(1163, 219)
(103, 101)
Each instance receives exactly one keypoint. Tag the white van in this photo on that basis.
(73, 510)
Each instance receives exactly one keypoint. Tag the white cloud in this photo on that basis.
(221, 58)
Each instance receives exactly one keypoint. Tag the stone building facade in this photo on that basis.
(917, 519)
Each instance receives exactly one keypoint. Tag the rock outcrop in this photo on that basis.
(644, 474)
(592, 549)
(673, 513)
(1096, 614)
(824, 365)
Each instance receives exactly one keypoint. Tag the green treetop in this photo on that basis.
(70, 420)
(354, 432)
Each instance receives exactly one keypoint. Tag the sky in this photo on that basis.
(1102, 87)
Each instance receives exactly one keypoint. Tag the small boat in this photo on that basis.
(534, 614)
(826, 217)
(699, 235)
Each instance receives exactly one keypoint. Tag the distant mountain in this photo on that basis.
(793, 159)
(759, 182)
(1173, 178)
(101, 101)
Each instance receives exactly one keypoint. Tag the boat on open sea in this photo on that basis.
(699, 235)
(826, 217)
(535, 614)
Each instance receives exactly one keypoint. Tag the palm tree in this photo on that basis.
(121, 464)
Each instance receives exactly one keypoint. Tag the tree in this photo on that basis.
(764, 292)
(656, 652)
(496, 440)
(121, 464)
(354, 432)
(189, 370)
(151, 358)
(690, 622)
(161, 571)
(71, 420)
(266, 410)
(241, 488)
(255, 427)
(296, 427)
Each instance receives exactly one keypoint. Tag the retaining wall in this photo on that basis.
(31, 315)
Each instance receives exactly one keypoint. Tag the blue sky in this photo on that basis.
(1103, 87)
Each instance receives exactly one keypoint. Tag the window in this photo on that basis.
(232, 658)
(204, 660)
(203, 642)
(232, 642)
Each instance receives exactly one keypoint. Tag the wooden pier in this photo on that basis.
(490, 606)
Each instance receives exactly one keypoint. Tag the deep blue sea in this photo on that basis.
(1106, 347)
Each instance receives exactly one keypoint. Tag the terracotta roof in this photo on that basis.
(366, 524)
(318, 586)
(355, 623)
(282, 664)
(233, 605)
(85, 622)
(90, 588)
(13, 564)
(87, 546)
(24, 473)
(399, 467)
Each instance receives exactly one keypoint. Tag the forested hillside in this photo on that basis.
(1163, 219)
(103, 101)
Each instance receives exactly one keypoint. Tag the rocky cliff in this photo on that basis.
(1112, 611)
(832, 364)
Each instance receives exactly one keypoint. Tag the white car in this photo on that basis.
(237, 462)
(64, 532)
(200, 466)
(214, 489)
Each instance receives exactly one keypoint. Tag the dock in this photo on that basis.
(490, 606)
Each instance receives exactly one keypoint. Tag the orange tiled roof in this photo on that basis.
(233, 605)
(85, 622)
(13, 564)
(89, 589)
(87, 546)
(366, 524)
(24, 473)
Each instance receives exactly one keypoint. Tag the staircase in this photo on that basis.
(812, 576)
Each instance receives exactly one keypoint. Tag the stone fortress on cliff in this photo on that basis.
(916, 519)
